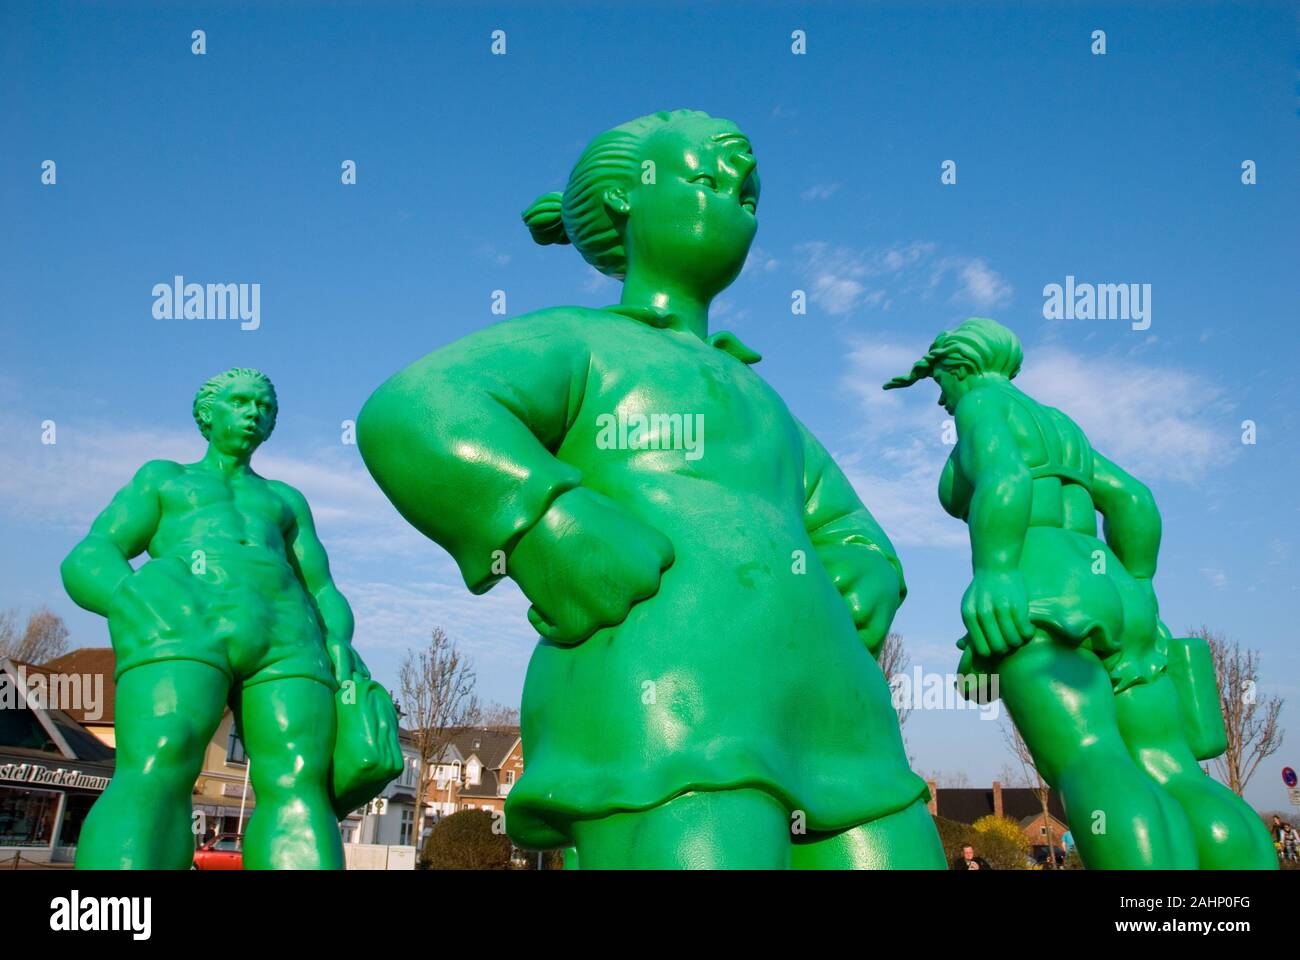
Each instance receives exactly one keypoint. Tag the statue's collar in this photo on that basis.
(724, 340)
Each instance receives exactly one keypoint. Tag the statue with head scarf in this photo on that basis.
(709, 591)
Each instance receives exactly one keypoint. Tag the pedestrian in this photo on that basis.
(968, 860)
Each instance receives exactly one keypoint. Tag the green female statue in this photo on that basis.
(1115, 711)
(709, 591)
(235, 605)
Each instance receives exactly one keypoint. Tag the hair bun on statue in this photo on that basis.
(545, 218)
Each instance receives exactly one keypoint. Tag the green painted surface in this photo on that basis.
(1068, 621)
(234, 605)
(709, 590)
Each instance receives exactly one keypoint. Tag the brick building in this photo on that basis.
(1021, 804)
(480, 767)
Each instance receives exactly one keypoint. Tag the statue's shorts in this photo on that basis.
(1081, 595)
(250, 619)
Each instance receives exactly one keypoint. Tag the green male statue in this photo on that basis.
(1115, 711)
(235, 605)
(709, 590)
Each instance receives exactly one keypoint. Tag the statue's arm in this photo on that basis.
(995, 609)
(96, 566)
(954, 489)
(462, 441)
(851, 545)
(1000, 482)
(312, 565)
(1130, 520)
(465, 442)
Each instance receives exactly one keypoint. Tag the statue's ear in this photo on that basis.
(616, 202)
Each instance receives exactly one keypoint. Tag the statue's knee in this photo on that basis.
(170, 755)
(289, 772)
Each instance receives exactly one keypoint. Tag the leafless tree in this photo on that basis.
(497, 716)
(894, 661)
(437, 699)
(950, 781)
(1251, 720)
(43, 638)
(1033, 779)
(1016, 776)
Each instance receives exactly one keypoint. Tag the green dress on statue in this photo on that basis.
(746, 668)
(709, 591)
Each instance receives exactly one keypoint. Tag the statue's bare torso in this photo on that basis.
(240, 523)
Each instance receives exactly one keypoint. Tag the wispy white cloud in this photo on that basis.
(896, 452)
(759, 261)
(398, 612)
(597, 281)
(981, 287)
(64, 485)
(1218, 579)
(490, 251)
(821, 191)
(1158, 422)
(399, 584)
(725, 310)
(842, 279)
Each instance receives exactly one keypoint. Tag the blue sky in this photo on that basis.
(1123, 168)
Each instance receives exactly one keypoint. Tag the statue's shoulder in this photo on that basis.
(558, 321)
(155, 473)
(981, 405)
(566, 329)
(289, 493)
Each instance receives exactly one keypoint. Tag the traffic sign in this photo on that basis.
(1288, 776)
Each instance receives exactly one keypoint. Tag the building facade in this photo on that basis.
(52, 768)
(479, 767)
(54, 763)
(1021, 804)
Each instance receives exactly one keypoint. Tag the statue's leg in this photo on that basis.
(288, 729)
(724, 829)
(1228, 834)
(165, 715)
(1061, 701)
(906, 840)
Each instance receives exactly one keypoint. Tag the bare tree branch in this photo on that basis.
(44, 638)
(1033, 779)
(894, 661)
(437, 699)
(950, 781)
(1252, 722)
(497, 716)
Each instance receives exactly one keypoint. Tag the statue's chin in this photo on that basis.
(239, 446)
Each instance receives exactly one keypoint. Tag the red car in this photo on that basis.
(222, 852)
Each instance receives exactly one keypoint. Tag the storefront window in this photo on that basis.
(27, 817)
(74, 815)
